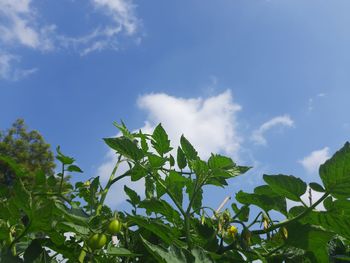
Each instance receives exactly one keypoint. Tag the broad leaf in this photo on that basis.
(335, 173)
(286, 185)
(134, 197)
(160, 140)
(188, 149)
(125, 147)
(172, 255)
(181, 158)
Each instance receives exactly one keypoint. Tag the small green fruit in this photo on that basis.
(97, 241)
(114, 226)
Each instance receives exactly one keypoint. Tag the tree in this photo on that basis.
(27, 148)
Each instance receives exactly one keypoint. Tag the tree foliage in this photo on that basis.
(169, 222)
(27, 148)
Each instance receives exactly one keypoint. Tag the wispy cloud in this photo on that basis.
(258, 135)
(21, 26)
(9, 69)
(210, 124)
(311, 102)
(312, 162)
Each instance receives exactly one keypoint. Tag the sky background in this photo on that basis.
(266, 82)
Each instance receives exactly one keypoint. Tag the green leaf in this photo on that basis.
(286, 185)
(335, 173)
(137, 172)
(126, 147)
(181, 158)
(217, 161)
(120, 252)
(64, 159)
(242, 213)
(317, 187)
(74, 168)
(265, 201)
(134, 197)
(124, 130)
(172, 255)
(160, 140)
(196, 196)
(156, 161)
(161, 207)
(149, 187)
(188, 149)
(33, 251)
(175, 184)
(200, 256)
(70, 226)
(168, 234)
(310, 238)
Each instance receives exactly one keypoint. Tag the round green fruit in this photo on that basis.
(114, 226)
(97, 241)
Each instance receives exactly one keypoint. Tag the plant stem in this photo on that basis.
(62, 175)
(111, 181)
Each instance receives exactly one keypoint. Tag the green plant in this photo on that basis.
(170, 223)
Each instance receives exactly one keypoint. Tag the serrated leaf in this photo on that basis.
(172, 255)
(200, 256)
(181, 158)
(124, 130)
(160, 141)
(286, 185)
(175, 183)
(161, 207)
(266, 202)
(335, 173)
(188, 149)
(217, 161)
(126, 147)
(134, 197)
(156, 161)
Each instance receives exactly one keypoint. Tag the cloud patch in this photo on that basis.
(9, 69)
(258, 135)
(21, 27)
(312, 162)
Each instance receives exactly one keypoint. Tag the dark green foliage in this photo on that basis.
(27, 148)
(170, 222)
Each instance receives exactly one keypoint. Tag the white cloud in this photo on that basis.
(122, 13)
(20, 27)
(312, 162)
(209, 124)
(9, 69)
(258, 135)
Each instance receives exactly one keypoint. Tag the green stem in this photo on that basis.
(111, 181)
(288, 221)
(62, 176)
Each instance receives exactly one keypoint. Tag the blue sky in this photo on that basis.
(268, 79)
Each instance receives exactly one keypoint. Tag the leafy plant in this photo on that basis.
(171, 223)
